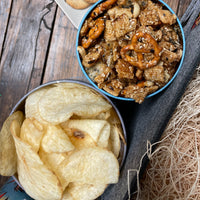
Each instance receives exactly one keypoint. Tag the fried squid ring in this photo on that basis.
(94, 33)
(140, 63)
(102, 7)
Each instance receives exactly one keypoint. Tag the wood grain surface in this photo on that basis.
(37, 45)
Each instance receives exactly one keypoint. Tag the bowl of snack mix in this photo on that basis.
(130, 49)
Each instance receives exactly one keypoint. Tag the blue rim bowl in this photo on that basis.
(123, 98)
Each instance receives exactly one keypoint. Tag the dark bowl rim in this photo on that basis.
(22, 101)
(123, 98)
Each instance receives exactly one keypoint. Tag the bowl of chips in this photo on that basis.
(130, 49)
(63, 140)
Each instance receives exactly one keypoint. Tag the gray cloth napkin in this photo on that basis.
(148, 120)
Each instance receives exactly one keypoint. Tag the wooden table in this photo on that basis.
(37, 45)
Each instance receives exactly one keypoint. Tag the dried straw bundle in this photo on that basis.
(173, 172)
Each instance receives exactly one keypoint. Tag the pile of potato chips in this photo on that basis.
(66, 146)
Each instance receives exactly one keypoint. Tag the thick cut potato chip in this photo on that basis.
(84, 191)
(90, 166)
(99, 130)
(60, 103)
(32, 132)
(56, 140)
(38, 181)
(8, 157)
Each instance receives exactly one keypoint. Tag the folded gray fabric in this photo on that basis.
(148, 120)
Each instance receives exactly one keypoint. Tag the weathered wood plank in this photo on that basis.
(62, 62)
(5, 8)
(182, 7)
(25, 47)
(173, 4)
(19, 53)
(42, 46)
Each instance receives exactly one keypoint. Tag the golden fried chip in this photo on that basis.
(37, 180)
(51, 158)
(79, 138)
(103, 115)
(32, 132)
(60, 103)
(56, 140)
(115, 121)
(99, 130)
(90, 166)
(52, 161)
(115, 140)
(31, 104)
(67, 196)
(8, 157)
(80, 191)
(104, 136)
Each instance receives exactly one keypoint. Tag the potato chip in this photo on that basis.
(103, 115)
(67, 196)
(52, 161)
(77, 100)
(56, 140)
(104, 136)
(51, 158)
(8, 157)
(114, 120)
(115, 140)
(32, 132)
(90, 166)
(37, 180)
(31, 104)
(84, 191)
(80, 139)
(99, 130)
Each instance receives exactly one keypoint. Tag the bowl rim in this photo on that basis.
(123, 98)
(22, 101)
